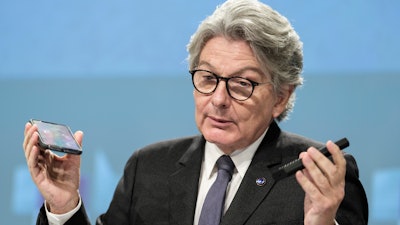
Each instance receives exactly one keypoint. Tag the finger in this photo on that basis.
(27, 126)
(31, 141)
(311, 178)
(28, 131)
(79, 137)
(306, 184)
(304, 171)
(326, 166)
(325, 174)
(338, 158)
(47, 157)
(34, 161)
(313, 168)
(308, 175)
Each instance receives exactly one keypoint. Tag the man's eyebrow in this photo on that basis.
(201, 63)
(241, 70)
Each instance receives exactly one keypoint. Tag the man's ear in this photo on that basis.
(282, 99)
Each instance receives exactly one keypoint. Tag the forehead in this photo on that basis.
(227, 56)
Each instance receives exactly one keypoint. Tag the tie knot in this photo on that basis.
(225, 163)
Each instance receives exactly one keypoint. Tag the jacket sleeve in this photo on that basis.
(121, 203)
(354, 207)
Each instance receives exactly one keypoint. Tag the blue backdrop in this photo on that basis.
(117, 70)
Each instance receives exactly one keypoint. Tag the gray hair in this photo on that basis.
(273, 40)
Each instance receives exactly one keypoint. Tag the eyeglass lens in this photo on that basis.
(206, 82)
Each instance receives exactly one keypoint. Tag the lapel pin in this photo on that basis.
(261, 181)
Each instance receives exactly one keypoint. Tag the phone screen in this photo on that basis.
(57, 137)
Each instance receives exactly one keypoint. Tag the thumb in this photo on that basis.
(79, 137)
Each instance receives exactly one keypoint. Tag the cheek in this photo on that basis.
(198, 103)
(259, 113)
(199, 109)
(251, 120)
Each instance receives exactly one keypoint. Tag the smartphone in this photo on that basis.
(57, 137)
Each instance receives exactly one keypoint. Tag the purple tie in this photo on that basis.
(212, 210)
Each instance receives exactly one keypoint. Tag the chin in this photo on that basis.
(219, 137)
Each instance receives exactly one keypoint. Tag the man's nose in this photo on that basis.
(221, 95)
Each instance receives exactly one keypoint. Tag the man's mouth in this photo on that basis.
(218, 121)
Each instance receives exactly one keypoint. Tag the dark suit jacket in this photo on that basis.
(160, 185)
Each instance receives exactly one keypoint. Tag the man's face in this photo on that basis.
(229, 123)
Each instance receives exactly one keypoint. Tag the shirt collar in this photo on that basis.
(241, 157)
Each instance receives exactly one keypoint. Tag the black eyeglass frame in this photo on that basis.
(226, 79)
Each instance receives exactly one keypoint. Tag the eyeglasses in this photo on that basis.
(239, 88)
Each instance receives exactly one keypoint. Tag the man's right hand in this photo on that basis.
(57, 178)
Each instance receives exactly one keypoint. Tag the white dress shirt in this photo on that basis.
(241, 158)
(60, 219)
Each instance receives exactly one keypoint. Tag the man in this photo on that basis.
(245, 61)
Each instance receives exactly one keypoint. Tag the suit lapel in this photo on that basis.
(183, 184)
(250, 194)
